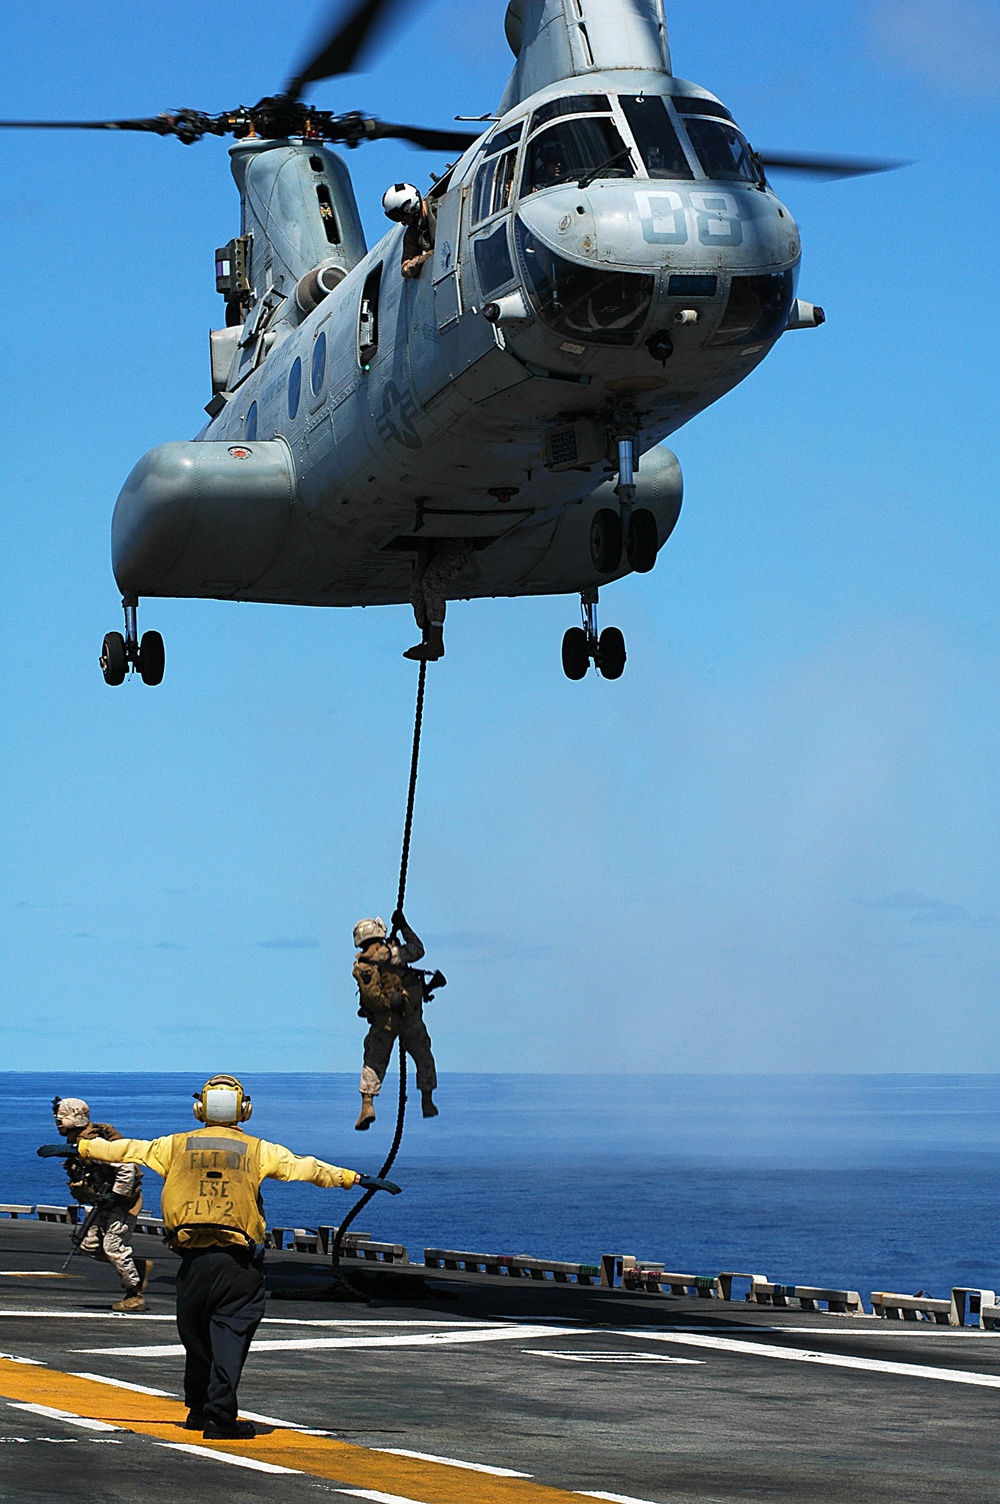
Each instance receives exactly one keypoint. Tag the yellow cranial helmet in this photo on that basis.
(222, 1101)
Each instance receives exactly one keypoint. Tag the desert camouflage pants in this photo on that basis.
(427, 594)
(379, 1045)
(110, 1239)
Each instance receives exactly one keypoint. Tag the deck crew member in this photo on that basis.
(404, 203)
(213, 1217)
(391, 997)
(113, 1192)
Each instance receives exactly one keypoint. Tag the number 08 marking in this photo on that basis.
(665, 217)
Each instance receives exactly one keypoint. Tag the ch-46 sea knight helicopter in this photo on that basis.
(609, 259)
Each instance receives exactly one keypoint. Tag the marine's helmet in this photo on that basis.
(369, 929)
(222, 1101)
(401, 201)
(70, 1112)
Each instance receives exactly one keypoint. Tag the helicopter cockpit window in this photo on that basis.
(580, 302)
(509, 137)
(570, 104)
(493, 263)
(720, 147)
(493, 187)
(573, 148)
(756, 310)
(686, 104)
(655, 136)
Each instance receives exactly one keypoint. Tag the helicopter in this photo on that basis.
(607, 259)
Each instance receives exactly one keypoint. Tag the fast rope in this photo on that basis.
(404, 863)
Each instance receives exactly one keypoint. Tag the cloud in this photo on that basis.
(166, 945)
(304, 942)
(920, 908)
(953, 44)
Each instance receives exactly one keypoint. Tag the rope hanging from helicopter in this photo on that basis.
(404, 865)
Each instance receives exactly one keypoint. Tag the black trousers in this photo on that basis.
(220, 1301)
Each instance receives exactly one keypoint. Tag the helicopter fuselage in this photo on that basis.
(593, 279)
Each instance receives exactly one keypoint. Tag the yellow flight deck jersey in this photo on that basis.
(211, 1180)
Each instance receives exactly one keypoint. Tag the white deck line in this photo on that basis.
(375, 1496)
(827, 1360)
(250, 1462)
(473, 1467)
(50, 1413)
(135, 1316)
(584, 1493)
(102, 1378)
(307, 1344)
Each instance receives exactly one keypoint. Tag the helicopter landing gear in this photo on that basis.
(584, 645)
(120, 653)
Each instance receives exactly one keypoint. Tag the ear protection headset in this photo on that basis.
(222, 1100)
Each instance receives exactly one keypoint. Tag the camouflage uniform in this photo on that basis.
(427, 593)
(392, 998)
(117, 1189)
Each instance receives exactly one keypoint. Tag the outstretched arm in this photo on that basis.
(156, 1152)
(279, 1163)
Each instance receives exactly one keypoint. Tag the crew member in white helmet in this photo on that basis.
(213, 1217)
(405, 204)
(112, 1192)
(391, 997)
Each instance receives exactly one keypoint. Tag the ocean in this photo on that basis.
(881, 1182)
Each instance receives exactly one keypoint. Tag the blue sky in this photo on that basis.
(772, 845)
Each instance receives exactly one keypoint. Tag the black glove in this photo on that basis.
(372, 1183)
(56, 1151)
(398, 920)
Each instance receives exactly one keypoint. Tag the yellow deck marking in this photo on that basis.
(323, 1457)
(36, 1274)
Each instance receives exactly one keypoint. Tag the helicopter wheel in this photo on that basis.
(114, 664)
(606, 540)
(152, 658)
(643, 541)
(575, 653)
(611, 653)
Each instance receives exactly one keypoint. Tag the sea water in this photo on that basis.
(876, 1182)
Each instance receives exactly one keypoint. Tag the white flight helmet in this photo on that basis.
(369, 929)
(401, 201)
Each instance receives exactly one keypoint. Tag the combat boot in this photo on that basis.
(144, 1268)
(430, 649)
(427, 1104)
(132, 1300)
(366, 1116)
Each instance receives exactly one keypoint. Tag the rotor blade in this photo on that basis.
(342, 47)
(429, 140)
(827, 167)
(156, 123)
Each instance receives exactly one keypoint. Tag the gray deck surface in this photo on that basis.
(581, 1390)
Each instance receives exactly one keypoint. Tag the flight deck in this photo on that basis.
(445, 1386)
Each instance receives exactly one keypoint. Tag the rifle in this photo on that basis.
(81, 1230)
(104, 1201)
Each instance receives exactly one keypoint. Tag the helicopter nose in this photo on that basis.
(653, 226)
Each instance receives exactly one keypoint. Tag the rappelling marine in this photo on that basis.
(391, 997)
